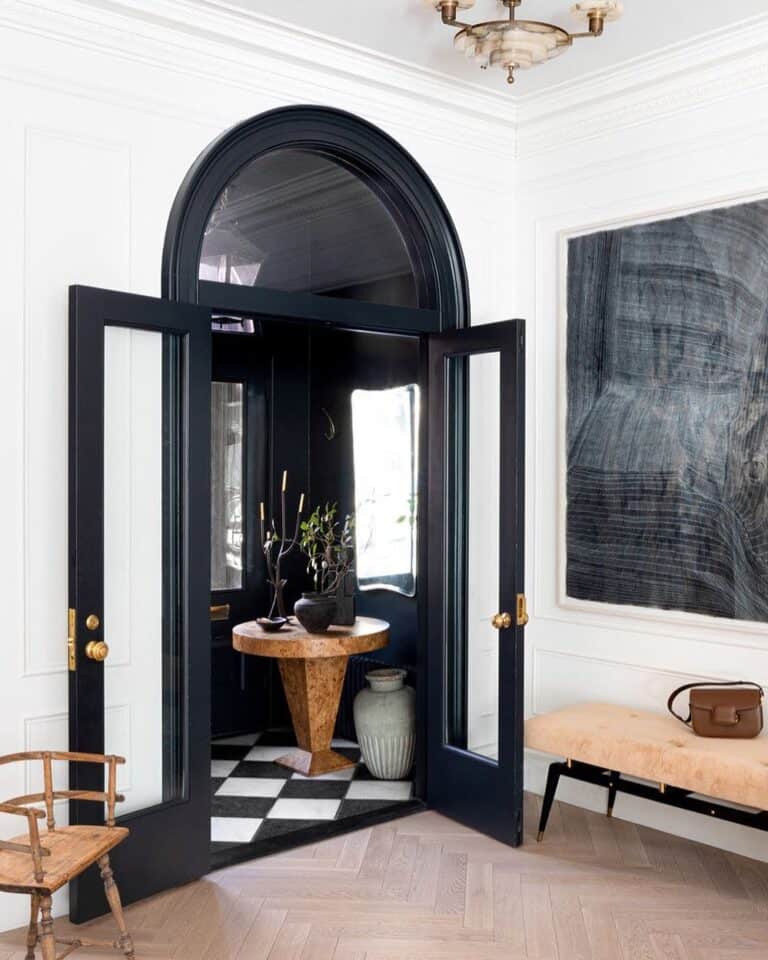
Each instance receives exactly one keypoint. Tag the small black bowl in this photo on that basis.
(271, 624)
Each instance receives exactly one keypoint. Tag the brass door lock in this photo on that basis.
(96, 650)
(522, 610)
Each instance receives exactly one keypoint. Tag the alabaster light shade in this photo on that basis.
(607, 9)
(521, 44)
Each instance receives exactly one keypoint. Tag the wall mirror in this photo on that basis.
(227, 416)
(385, 452)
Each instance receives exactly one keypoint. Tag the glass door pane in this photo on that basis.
(144, 659)
(473, 384)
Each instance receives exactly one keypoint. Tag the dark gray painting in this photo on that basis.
(668, 414)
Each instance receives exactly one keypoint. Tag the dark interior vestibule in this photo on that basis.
(326, 257)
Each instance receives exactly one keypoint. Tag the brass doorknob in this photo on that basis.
(501, 621)
(96, 650)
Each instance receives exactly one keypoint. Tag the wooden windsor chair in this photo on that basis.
(39, 867)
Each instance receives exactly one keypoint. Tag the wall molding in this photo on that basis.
(697, 73)
(44, 137)
(676, 677)
(229, 46)
(214, 39)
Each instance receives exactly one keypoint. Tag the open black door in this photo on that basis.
(139, 558)
(476, 577)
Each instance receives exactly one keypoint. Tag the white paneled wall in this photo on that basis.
(103, 112)
(680, 133)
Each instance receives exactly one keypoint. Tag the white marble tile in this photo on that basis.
(346, 773)
(223, 768)
(267, 754)
(246, 740)
(233, 829)
(379, 790)
(288, 809)
(250, 787)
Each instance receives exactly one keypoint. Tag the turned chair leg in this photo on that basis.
(47, 940)
(32, 932)
(555, 769)
(113, 898)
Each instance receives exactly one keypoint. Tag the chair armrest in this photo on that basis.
(21, 811)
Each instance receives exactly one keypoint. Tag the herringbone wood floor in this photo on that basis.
(425, 888)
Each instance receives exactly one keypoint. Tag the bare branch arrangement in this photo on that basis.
(276, 547)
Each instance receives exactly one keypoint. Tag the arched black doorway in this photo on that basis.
(360, 152)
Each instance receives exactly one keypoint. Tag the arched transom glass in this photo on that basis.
(295, 220)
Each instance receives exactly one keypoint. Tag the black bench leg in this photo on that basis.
(613, 785)
(553, 777)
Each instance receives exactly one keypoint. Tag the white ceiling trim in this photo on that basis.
(722, 64)
(196, 23)
(206, 37)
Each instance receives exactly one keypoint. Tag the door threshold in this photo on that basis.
(241, 852)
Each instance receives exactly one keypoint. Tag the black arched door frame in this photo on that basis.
(385, 166)
(416, 207)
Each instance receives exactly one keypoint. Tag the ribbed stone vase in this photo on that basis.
(385, 723)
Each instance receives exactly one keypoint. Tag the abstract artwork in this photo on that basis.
(667, 429)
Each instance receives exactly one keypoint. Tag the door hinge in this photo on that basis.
(72, 639)
(522, 610)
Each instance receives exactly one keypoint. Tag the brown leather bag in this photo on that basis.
(723, 709)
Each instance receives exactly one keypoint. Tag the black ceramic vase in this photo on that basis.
(315, 611)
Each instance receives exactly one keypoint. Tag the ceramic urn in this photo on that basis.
(385, 722)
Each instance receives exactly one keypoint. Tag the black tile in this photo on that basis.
(241, 806)
(363, 773)
(218, 846)
(278, 828)
(228, 751)
(259, 768)
(315, 789)
(216, 782)
(351, 808)
(351, 753)
(277, 738)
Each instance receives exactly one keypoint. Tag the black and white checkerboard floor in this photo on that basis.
(255, 799)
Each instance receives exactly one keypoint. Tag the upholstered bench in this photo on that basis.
(604, 743)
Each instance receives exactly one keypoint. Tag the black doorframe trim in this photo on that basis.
(377, 158)
(418, 209)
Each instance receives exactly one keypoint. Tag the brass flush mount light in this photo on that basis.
(513, 44)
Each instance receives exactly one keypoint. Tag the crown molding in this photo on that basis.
(214, 38)
(722, 63)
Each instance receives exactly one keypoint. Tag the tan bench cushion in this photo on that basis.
(653, 746)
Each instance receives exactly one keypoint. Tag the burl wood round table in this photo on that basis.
(312, 668)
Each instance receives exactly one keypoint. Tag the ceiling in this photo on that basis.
(410, 31)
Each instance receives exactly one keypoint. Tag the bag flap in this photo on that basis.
(740, 698)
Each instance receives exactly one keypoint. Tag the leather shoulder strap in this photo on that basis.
(702, 683)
